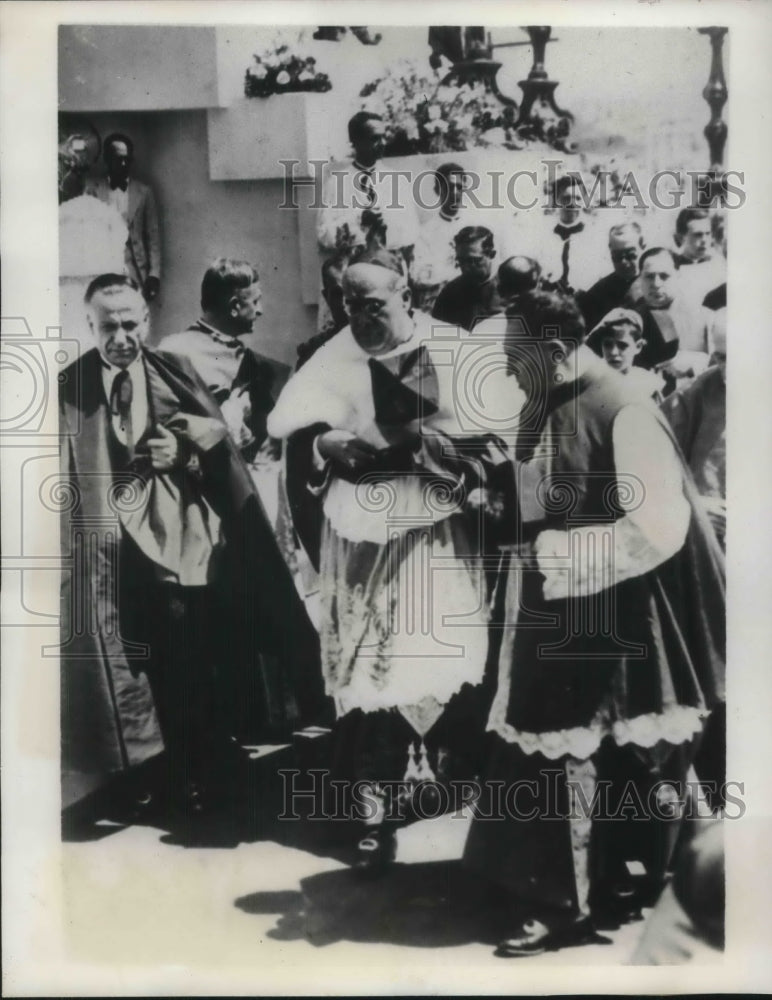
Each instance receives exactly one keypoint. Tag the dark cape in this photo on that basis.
(666, 646)
(109, 722)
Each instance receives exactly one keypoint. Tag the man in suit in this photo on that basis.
(162, 538)
(136, 203)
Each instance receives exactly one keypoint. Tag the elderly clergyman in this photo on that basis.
(158, 540)
(404, 624)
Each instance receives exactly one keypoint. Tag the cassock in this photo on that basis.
(613, 654)
(164, 586)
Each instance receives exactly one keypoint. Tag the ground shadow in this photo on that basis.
(432, 905)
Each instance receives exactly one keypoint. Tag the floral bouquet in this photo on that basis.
(281, 69)
(422, 115)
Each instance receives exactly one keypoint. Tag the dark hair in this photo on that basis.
(473, 234)
(109, 280)
(687, 215)
(652, 252)
(553, 315)
(617, 229)
(564, 183)
(223, 278)
(337, 263)
(117, 137)
(445, 170)
(357, 123)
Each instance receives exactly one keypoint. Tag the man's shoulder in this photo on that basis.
(184, 340)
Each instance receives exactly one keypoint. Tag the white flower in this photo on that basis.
(306, 75)
(438, 126)
(259, 71)
(435, 112)
(283, 78)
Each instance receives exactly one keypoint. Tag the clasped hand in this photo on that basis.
(164, 449)
(346, 450)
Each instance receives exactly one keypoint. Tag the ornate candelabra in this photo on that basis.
(716, 94)
(538, 89)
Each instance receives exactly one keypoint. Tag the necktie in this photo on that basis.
(117, 184)
(564, 261)
(120, 406)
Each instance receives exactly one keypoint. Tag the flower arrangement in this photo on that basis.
(282, 69)
(424, 115)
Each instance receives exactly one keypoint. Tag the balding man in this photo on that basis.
(379, 410)
(619, 288)
(169, 510)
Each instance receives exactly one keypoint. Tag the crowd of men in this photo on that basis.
(531, 597)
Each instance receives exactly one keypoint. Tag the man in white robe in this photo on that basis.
(404, 615)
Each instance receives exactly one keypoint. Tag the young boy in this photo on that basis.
(618, 339)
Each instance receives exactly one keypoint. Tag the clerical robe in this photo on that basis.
(404, 615)
(613, 656)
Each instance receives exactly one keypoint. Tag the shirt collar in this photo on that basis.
(564, 231)
(112, 370)
(222, 338)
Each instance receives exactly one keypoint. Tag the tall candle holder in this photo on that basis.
(716, 94)
(538, 89)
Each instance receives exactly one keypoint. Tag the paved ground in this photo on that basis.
(286, 903)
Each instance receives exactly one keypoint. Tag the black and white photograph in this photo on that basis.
(385, 606)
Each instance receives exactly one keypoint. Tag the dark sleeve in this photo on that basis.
(306, 509)
(444, 306)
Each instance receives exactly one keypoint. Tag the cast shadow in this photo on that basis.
(429, 905)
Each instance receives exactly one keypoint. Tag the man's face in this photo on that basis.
(569, 203)
(368, 146)
(451, 187)
(620, 345)
(625, 251)
(377, 310)
(474, 262)
(119, 321)
(695, 243)
(118, 160)
(659, 281)
(245, 307)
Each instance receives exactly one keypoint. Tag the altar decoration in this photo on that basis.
(424, 112)
(283, 67)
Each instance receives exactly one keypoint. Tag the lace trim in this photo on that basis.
(675, 725)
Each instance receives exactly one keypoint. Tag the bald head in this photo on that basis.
(518, 275)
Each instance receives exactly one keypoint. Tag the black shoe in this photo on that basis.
(376, 851)
(534, 938)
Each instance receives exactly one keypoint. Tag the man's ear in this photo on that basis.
(639, 345)
(233, 305)
(407, 296)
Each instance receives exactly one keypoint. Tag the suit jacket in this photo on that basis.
(143, 247)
